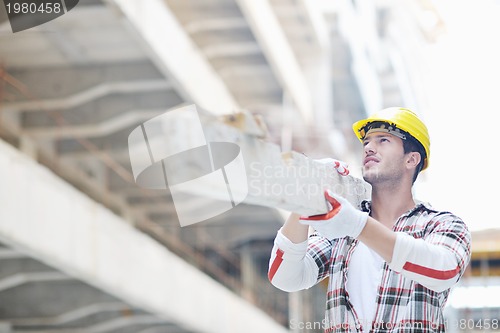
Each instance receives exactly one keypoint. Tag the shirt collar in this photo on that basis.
(366, 206)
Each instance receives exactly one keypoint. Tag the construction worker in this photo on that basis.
(392, 262)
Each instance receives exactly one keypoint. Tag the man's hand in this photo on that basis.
(342, 220)
(341, 167)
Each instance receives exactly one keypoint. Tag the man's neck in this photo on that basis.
(389, 204)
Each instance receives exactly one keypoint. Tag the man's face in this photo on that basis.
(383, 158)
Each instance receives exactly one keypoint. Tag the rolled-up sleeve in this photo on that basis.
(437, 260)
(294, 267)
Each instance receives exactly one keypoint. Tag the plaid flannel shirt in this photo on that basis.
(431, 253)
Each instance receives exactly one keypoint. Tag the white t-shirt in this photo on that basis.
(363, 279)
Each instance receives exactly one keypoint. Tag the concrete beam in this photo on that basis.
(113, 125)
(61, 82)
(356, 26)
(95, 92)
(50, 220)
(304, 17)
(176, 54)
(278, 52)
(316, 19)
(116, 324)
(10, 254)
(72, 315)
(217, 24)
(231, 50)
(258, 173)
(18, 279)
(154, 208)
(120, 155)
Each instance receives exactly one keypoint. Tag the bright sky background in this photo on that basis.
(464, 93)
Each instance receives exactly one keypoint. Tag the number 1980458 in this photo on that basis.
(33, 8)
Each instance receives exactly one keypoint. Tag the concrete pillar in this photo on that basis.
(247, 271)
(5, 327)
(275, 46)
(296, 312)
(50, 220)
(176, 55)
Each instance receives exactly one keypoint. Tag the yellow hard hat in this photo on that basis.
(402, 119)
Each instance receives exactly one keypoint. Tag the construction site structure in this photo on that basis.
(85, 248)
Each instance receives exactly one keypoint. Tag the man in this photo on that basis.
(390, 265)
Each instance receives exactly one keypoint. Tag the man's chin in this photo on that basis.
(370, 175)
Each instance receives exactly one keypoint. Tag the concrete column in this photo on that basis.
(5, 327)
(296, 312)
(278, 52)
(177, 55)
(50, 220)
(247, 271)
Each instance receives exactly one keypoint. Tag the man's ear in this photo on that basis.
(413, 159)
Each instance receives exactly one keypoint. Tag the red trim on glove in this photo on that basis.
(336, 206)
(276, 264)
(343, 172)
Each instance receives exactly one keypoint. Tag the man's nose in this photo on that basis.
(369, 148)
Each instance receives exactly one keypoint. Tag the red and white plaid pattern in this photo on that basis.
(414, 287)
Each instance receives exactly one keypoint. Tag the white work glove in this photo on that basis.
(342, 167)
(342, 220)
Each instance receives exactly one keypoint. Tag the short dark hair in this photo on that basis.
(410, 144)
